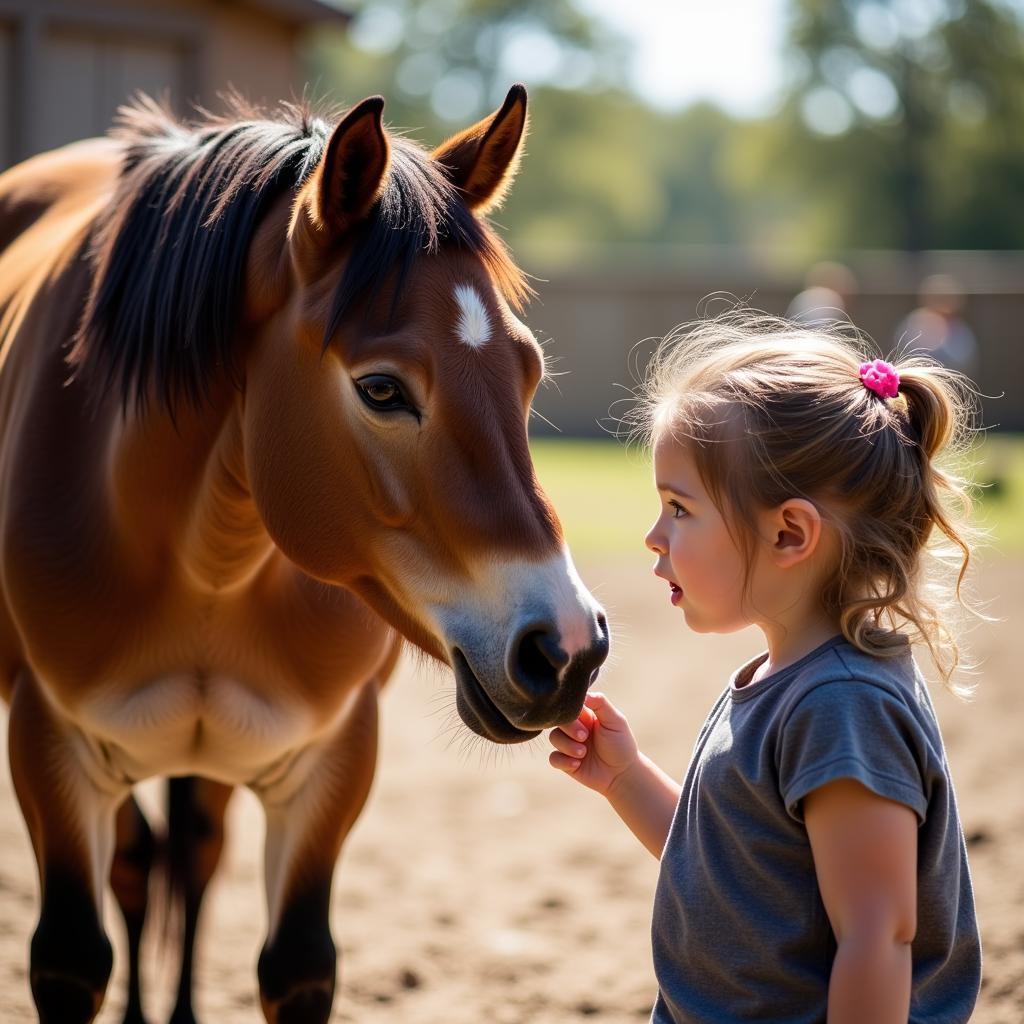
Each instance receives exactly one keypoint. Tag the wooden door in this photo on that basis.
(85, 77)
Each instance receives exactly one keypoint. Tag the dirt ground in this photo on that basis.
(481, 885)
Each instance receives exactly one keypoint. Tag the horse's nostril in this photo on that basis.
(537, 661)
(602, 623)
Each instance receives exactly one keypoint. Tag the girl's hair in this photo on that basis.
(773, 410)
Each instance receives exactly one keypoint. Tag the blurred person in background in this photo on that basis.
(828, 289)
(937, 327)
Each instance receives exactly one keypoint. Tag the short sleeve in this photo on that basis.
(850, 729)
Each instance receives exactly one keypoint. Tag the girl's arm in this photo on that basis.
(865, 857)
(599, 751)
(645, 799)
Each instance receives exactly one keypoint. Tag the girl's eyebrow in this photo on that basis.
(672, 489)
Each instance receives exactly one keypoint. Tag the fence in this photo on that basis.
(598, 320)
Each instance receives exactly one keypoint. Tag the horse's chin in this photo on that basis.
(478, 711)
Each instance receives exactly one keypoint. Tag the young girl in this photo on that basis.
(813, 865)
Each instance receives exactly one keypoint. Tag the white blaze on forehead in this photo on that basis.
(474, 325)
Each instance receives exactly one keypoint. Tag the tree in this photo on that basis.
(459, 56)
(896, 95)
(900, 129)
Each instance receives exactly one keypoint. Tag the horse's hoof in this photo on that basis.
(310, 1005)
(63, 1000)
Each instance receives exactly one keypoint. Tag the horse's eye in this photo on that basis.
(382, 393)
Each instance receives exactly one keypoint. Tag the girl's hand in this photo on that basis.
(597, 748)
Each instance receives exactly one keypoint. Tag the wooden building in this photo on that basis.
(66, 65)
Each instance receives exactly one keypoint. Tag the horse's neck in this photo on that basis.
(225, 543)
(183, 491)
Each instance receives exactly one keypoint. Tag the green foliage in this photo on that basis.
(600, 167)
(588, 174)
(923, 149)
(453, 60)
(907, 116)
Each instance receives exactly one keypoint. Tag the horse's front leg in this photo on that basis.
(69, 806)
(310, 809)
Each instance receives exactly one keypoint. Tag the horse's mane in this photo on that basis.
(169, 254)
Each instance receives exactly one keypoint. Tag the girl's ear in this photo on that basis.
(794, 531)
(482, 160)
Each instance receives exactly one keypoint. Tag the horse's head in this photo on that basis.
(386, 411)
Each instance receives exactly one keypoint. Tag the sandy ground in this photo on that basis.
(481, 885)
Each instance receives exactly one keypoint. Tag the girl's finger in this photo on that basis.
(578, 730)
(566, 744)
(563, 762)
(587, 719)
(604, 710)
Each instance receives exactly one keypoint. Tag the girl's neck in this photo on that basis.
(788, 644)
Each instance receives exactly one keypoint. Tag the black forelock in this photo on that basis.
(169, 254)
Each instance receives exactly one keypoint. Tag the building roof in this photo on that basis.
(301, 12)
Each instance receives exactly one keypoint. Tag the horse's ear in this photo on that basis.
(352, 169)
(483, 160)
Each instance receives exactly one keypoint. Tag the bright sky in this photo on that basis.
(729, 51)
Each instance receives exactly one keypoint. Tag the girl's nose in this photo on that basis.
(654, 541)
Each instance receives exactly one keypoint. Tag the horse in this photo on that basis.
(264, 398)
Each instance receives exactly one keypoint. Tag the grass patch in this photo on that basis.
(604, 492)
(999, 473)
(605, 496)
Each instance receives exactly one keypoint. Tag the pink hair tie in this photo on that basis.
(880, 377)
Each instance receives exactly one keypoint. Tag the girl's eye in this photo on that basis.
(382, 393)
(677, 510)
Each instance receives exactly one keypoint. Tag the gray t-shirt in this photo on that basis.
(739, 931)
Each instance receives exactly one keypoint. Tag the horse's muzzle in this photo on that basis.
(478, 710)
(544, 685)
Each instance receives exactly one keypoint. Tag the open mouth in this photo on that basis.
(477, 709)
